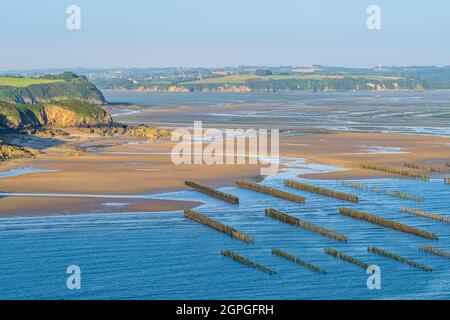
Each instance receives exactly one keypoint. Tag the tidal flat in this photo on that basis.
(114, 206)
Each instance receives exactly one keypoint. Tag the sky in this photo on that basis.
(217, 33)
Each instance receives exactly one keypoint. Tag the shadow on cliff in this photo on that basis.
(21, 139)
(36, 142)
(2, 121)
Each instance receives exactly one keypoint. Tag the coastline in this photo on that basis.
(136, 166)
(70, 168)
(153, 90)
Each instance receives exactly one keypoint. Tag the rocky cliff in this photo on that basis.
(67, 113)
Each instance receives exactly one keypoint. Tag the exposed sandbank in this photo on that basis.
(82, 172)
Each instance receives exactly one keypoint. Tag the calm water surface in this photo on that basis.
(166, 256)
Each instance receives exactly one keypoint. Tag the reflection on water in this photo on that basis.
(22, 171)
(382, 150)
(165, 256)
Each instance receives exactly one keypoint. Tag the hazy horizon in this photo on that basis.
(83, 68)
(146, 34)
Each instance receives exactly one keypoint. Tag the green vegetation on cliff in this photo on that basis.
(19, 115)
(281, 78)
(49, 88)
(67, 113)
(252, 82)
(63, 100)
(83, 109)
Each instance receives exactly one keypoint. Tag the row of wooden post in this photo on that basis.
(214, 193)
(397, 171)
(424, 214)
(217, 225)
(270, 191)
(321, 191)
(387, 223)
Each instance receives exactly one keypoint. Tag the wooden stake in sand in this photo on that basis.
(247, 262)
(398, 171)
(305, 225)
(339, 255)
(217, 225)
(270, 191)
(213, 193)
(398, 258)
(321, 191)
(424, 214)
(310, 266)
(436, 252)
(387, 223)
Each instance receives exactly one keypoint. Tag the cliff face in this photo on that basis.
(15, 116)
(68, 113)
(59, 116)
(65, 86)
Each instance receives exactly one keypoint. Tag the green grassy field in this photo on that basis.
(242, 78)
(24, 82)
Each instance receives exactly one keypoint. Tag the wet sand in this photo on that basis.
(84, 171)
(350, 149)
(79, 170)
(30, 206)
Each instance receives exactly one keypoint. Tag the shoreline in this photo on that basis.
(259, 92)
(147, 169)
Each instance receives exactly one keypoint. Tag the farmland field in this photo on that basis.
(242, 78)
(24, 82)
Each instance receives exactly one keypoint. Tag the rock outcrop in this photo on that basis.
(60, 116)
(8, 152)
(151, 133)
(144, 131)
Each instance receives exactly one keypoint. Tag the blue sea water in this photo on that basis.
(166, 256)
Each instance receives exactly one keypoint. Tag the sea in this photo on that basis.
(164, 255)
(425, 112)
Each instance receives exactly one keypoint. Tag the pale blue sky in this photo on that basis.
(152, 33)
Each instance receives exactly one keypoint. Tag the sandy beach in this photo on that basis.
(135, 166)
(350, 149)
(88, 167)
